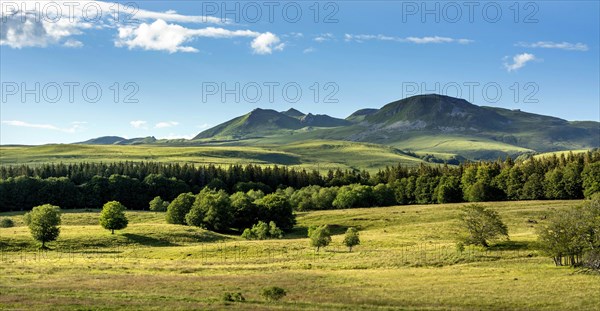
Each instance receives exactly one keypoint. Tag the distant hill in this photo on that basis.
(426, 125)
(116, 140)
(104, 140)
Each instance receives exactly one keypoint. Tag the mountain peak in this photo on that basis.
(293, 113)
(322, 120)
(436, 111)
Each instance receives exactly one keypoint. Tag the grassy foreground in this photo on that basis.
(407, 260)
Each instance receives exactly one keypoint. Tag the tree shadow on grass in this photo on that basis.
(296, 233)
(302, 232)
(146, 240)
(512, 246)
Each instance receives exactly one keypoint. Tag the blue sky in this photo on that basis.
(173, 61)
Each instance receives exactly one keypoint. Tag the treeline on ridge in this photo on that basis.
(90, 185)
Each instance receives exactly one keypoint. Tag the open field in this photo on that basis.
(406, 260)
(312, 155)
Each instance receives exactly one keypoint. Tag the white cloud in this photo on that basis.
(161, 36)
(166, 124)
(417, 40)
(75, 126)
(172, 16)
(203, 126)
(556, 45)
(296, 35)
(362, 38)
(139, 124)
(309, 50)
(32, 32)
(436, 39)
(324, 37)
(265, 43)
(156, 36)
(36, 25)
(71, 43)
(519, 61)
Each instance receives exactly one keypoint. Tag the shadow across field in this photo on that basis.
(512, 246)
(302, 232)
(147, 240)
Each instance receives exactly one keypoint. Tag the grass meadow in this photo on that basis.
(320, 154)
(407, 260)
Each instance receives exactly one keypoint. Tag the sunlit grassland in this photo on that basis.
(406, 260)
(456, 144)
(320, 154)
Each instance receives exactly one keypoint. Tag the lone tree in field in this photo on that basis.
(481, 225)
(43, 221)
(351, 238)
(319, 236)
(113, 216)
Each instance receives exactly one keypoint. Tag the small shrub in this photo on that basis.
(239, 297)
(273, 293)
(6, 223)
(227, 297)
(460, 247)
(233, 297)
(262, 231)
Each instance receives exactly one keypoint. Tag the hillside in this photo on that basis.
(430, 123)
(116, 140)
(434, 125)
(267, 122)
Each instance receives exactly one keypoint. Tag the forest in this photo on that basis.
(135, 184)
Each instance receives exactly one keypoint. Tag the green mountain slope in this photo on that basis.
(436, 125)
(293, 113)
(361, 114)
(436, 112)
(116, 140)
(267, 122)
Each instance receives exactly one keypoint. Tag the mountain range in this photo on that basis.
(436, 124)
